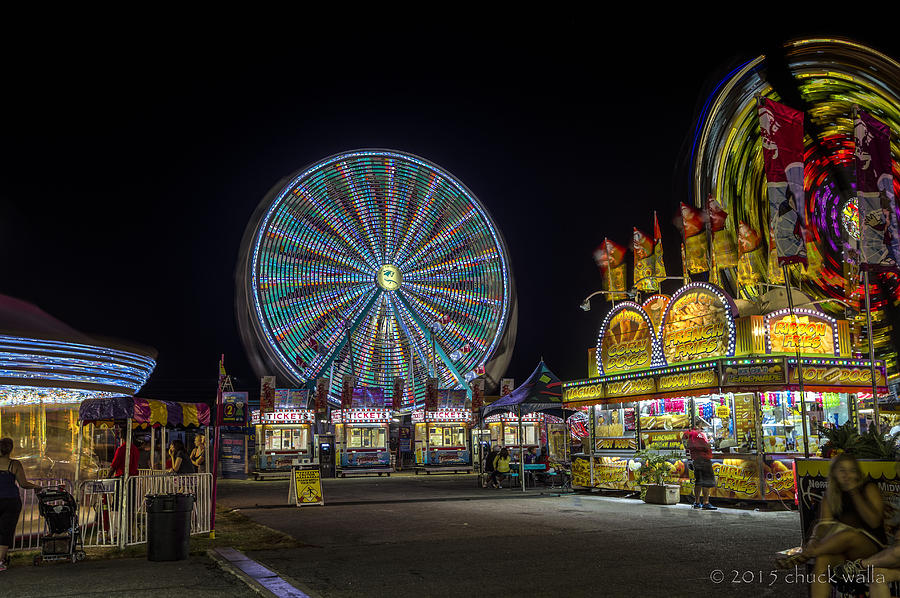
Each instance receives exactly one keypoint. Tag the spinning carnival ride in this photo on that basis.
(376, 264)
(824, 78)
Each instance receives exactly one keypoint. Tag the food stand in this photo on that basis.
(504, 430)
(738, 377)
(282, 437)
(362, 433)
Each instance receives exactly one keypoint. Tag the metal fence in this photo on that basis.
(99, 508)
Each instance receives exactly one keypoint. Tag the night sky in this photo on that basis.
(131, 161)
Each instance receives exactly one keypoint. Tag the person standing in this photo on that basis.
(117, 467)
(198, 455)
(12, 477)
(700, 451)
(181, 464)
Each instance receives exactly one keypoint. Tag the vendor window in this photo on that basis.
(511, 434)
(665, 414)
(614, 421)
(447, 436)
(287, 439)
(715, 415)
(367, 437)
(781, 422)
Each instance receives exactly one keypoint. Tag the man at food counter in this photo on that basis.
(698, 447)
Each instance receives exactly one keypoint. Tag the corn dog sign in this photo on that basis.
(627, 340)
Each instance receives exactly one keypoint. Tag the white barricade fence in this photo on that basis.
(198, 484)
(99, 508)
(30, 525)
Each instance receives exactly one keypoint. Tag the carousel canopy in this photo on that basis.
(541, 392)
(144, 412)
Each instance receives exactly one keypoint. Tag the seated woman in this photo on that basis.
(850, 526)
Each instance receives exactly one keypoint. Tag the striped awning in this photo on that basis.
(145, 412)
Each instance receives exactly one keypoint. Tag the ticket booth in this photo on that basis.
(283, 436)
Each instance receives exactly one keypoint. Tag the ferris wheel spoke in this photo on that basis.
(442, 243)
(329, 225)
(421, 211)
(359, 207)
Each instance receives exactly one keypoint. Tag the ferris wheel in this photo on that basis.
(377, 264)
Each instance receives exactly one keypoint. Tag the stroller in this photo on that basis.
(62, 540)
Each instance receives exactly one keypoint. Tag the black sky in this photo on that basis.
(132, 157)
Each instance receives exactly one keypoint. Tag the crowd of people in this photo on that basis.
(497, 463)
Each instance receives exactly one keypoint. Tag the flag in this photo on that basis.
(658, 264)
(781, 128)
(878, 233)
(726, 255)
(321, 402)
(348, 382)
(696, 247)
(644, 258)
(775, 273)
(431, 394)
(477, 387)
(751, 255)
(684, 268)
(397, 392)
(610, 258)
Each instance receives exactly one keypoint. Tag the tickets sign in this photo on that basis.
(284, 416)
(698, 324)
(626, 340)
(687, 380)
(805, 331)
(837, 375)
(352, 416)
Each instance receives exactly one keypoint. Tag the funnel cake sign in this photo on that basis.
(627, 340)
(698, 324)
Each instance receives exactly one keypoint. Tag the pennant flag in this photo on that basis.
(644, 262)
(696, 246)
(878, 233)
(684, 268)
(658, 264)
(775, 274)
(781, 128)
(616, 270)
(752, 256)
(724, 252)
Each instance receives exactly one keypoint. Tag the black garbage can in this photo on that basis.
(169, 526)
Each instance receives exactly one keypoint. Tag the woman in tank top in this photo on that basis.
(851, 525)
(12, 477)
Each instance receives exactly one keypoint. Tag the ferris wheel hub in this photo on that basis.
(389, 277)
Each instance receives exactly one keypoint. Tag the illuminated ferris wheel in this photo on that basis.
(826, 78)
(375, 264)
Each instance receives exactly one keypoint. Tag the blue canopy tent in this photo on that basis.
(541, 392)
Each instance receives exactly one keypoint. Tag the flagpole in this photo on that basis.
(215, 472)
(877, 413)
(787, 288)
(875, 409)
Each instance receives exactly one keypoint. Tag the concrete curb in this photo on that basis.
(258, 578)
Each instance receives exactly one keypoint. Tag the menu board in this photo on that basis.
(626, 340)
(233, 455)
(698, 324)
(745, 419)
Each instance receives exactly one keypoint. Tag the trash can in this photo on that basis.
(169, 526)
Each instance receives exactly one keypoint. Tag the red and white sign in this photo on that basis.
(511, 417)
(442, 415)
(284, 416)
(357, 416)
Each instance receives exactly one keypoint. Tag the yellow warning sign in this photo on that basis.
(308, 487)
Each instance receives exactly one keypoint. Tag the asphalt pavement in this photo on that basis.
(445, 536)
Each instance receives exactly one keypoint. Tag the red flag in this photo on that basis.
(781, 129)
(723, 243)
(751, 260)
(696, 246)
(397, 393)
(616, 270)
(644, 258)
(658, 264)
(879, 243)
